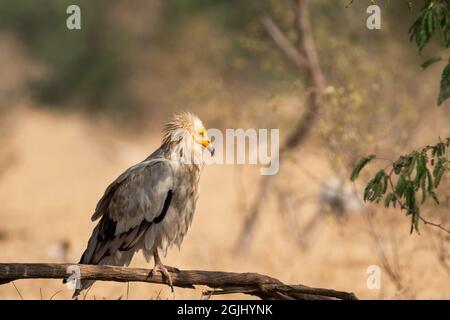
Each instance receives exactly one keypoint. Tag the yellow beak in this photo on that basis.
(208, 145)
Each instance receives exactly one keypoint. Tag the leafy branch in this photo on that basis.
(434, 21)
(414, 178)
(409, 181)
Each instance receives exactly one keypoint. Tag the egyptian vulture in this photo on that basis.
(151, 205)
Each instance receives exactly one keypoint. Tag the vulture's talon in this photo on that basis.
(159, 267)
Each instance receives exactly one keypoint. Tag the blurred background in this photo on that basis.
(79, 107)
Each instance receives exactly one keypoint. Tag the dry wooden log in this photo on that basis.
(255, 284)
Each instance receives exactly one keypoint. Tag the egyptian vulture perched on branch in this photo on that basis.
(151, 205)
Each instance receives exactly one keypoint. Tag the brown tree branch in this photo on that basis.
(283, 43)
(255, 284)
(306, 60)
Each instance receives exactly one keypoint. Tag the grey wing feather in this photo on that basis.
(102, 205)
(128, 207)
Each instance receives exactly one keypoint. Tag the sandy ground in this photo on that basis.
(63, 164)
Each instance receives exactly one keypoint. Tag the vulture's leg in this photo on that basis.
(162, 268)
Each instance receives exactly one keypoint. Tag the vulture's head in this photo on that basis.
(185, 138)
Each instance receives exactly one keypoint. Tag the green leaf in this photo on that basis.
(360, 165)
(431, 21)
(424, 189)
(434, 196)
(430, 61)
(389, 198)
(438, 171)
(440, 32)
(444, 92)
(410, 197)
(430, 181)
(376, 187)
(415, 220)
(439, 149)
(410, 163)
(401, 186)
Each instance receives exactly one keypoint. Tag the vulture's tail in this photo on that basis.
(106, 248)
(119, 258)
